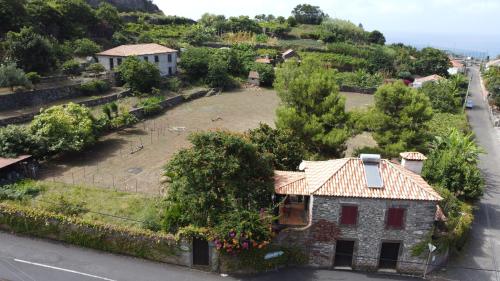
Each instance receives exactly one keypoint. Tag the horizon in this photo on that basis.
(465, 25)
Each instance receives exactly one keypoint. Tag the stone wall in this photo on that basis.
(26, 117)
(371, 231)
(38, 97)
(368, 234)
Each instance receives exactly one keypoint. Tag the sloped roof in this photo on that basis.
(415, 156)
(254, 75)
(433, 77)
(346, 178)
(5, 162)
(137, 50)
(457, 64)
(288, 52)
(493, 63)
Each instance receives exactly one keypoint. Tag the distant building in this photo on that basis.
(288, 54)
(264, 60)
(254, 78)
(165, 58)
(456, 68)
(362, 213)
(495, 63)
(419, 82)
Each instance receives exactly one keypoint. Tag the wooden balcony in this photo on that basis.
(293, 214)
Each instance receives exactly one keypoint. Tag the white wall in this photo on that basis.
(163, 63)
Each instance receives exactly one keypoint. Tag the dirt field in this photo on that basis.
(118, 162)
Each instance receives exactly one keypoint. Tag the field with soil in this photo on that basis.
(132, 159)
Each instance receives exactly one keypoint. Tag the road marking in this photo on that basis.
(63, 269)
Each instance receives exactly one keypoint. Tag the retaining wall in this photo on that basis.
(38, 97)
(23, 118)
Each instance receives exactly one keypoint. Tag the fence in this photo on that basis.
(106, 174)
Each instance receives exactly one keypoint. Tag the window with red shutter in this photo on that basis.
(349, 215)
(395, 217)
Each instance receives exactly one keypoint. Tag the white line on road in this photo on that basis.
(63, 269)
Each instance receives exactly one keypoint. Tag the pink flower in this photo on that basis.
(245, 245)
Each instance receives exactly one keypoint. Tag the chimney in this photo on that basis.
(371, 164)
(413, 161)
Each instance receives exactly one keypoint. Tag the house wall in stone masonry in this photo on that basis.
(371, 231)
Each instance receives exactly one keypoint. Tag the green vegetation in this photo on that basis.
(95, 68)
(95, 87)
(18, 140)
(308, 14)
(140, 75)
(286, 149)
(64, 128)
(151, 105)
(312, 108)
(400, 119)
(72, 68)
(11, 76)
(492, 83)
(452, 164)
(446, 95)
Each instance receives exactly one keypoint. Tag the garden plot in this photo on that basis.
(132, 159)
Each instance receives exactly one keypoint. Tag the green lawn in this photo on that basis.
(90, 203)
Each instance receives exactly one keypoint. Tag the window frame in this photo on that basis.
(356, 218)
(146, 58)
(169, 57)
(403, 218)
(157, 59)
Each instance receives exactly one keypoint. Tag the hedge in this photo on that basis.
(93, 234)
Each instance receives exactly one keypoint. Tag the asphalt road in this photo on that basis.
(31, 259)
(481, 257)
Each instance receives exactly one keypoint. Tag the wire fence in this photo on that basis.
(104, 173)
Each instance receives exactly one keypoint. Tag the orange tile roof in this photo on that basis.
(137, 50)
(346, 178)
(456, 64)
(263, 60)
(416, 156)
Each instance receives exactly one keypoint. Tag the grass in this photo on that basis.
(301, 29)
(98, 204)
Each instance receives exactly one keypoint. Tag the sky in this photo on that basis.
(459, 24)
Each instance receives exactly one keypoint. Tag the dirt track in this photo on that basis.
(117, 161)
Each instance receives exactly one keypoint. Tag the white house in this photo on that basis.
(457, 67)
(419, 82)
(165, 58)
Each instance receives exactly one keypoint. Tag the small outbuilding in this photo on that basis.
(288, 54)
(456, 68)
(165, 58)
(14, 169)
(254, 78)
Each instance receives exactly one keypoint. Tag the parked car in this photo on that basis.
(469, 104)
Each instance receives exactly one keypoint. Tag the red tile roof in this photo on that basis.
(415, 156)
(137, 50)
(5, 162)
(457, 64)
(263, 60)
(346, 178)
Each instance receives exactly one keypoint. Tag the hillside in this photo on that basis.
(129, 5)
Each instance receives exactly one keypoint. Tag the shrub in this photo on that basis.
(174, 84)
(96, 68)
(152, 105)
(94, 87)
(11, 76)
(71, 67)
(124, 119)
(19, 191)
(17, 140)
(64, 128)
(62, 205)
(85, 47)
(140, 75)
(266, 73)
(34, 77)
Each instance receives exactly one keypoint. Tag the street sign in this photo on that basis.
(432, 248)
(273, 255)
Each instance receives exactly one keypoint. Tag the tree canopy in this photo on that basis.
(432, 61)
(308, 14)
(400, 118)
(452, 164)
(221, 173)
(312, 107)
(140, 75)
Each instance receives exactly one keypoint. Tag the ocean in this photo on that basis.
(475, 45)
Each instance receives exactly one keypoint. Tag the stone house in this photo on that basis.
(165, 58)
(15, 169)
(361, 213)
(254, 78)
